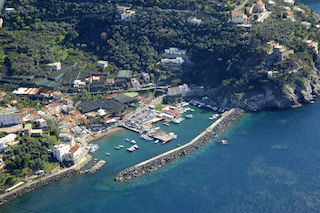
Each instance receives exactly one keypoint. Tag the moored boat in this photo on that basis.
(189, 116)
(108, 154)
(223, 142)
(94, 148)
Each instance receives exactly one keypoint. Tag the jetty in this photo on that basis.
(213, 131)
(94, 168)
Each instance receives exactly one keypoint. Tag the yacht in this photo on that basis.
(121, 146)
(177, 121)
(117, 147)
(133, 141)
(131, 149)
(136, 146)
(108, 154)
(127, 139)
(157, 141)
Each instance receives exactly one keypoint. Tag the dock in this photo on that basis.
(94, 168)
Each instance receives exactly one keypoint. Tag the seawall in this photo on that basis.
(28, 187)
(223, 123)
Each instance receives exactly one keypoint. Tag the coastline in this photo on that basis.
(56, 176)
(213, 131)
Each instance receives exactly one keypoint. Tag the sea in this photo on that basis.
(271, 164)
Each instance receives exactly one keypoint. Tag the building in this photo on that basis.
(78, 84)
(288, 14)
(135, 83)
(93, 78)
(74, 153)
(121, 9)
(238, 17)
(194, 20)
(179, 90)
(127, 15)
(54, 66)
(42, 123)
(102, 64)
(60, 152)
(9, 117)
(124, 74)
(110, 81)
(1, 22)
(35, 132)
(174, 51)
(260, 7)
(313, 45)
(9, 10)
(289, 1)
(146, 77)
(5, 141)
(177, 60)
(33, 92)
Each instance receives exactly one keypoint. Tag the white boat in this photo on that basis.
(166, 123)
(177, 121)
(189, 116)
(94, 148)
(127, 139)
(223, 142)
(133, 141)
(121, 146)
(173, 135)
(157, 141)
(108, 154)
(131, 149)
(136, 146)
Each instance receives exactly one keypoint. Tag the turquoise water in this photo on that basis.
(270, 165)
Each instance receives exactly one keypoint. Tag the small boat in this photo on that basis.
(131, 149)
(223, 142)
(136, 146)
(108, 154)
(173, 135)
(127, 139)
(177, 121)
(178, 144)
(94, 148)
(133, 141)
(121, 146)
(166, 123)
(189, 116)
(157, 141)
(117, 147)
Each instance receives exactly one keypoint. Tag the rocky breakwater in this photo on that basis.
(94, 168)
(226, 120)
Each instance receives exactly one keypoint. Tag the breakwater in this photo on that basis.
(219, 126)
(94, 168)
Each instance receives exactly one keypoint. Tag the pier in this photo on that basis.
(94, 168)
(213, 131)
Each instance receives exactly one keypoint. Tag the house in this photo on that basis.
(146, 77)
(35, 132)
(174, 51)
(2, 163)
(93, 78)
(9, 10)
(42, 123)
(260, 7)
(313, 45)
(127, 15)
(179, 90)
(54, 66)
(288, 14)
(289, 1)
(60, 152)
(194, 20)
(177, 60)
(121, 9)
(74, 153)
(135, 83)
(5, 141)
(9, 117)
(78, 84)
(101, 112)
(238, 17)
(15, 102)
(172, 112)
(110, 81)
(102, 64)
(35, 92)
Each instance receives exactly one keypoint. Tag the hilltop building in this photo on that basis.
(179, 90)
(238, 17)
(54, 66)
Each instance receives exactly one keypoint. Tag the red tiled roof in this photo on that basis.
(237, 12)
(172, 112)
(74, 148)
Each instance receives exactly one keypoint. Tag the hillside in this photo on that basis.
(234, 62)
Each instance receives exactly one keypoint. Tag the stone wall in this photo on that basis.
(226, 120)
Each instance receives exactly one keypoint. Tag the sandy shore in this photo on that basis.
(92, 138)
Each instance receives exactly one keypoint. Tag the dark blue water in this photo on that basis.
(270, 165)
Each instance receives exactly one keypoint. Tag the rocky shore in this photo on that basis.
(226, 120)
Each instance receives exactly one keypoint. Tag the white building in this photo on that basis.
(101, 112)
(289, 1)
(74, 153)
(174, 51)
(238, 17)
(102, 64)
(177, 60)
(127, 15)
(55, 66)
(135, 83)
(60, 152)
(9, 117)
(42, 123)
(260, 7)
(179, 90)
(194, 20)
(146, 77)
(9, 10)
(5, 140)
